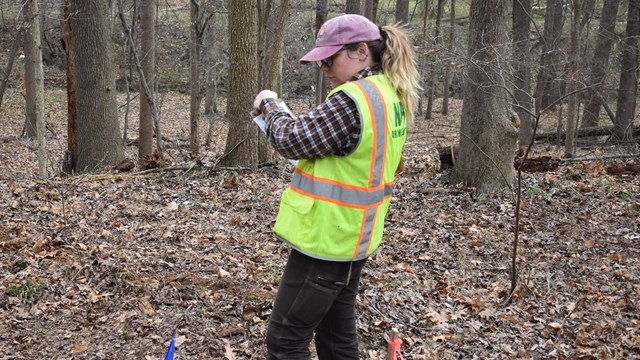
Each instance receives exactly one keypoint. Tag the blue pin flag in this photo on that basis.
(172, 348)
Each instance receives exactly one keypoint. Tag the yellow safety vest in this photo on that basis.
(334, 208)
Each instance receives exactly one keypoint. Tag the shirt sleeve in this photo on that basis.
(332, 128)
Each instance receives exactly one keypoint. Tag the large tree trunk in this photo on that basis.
(71, 156)
(242, 139)
(98, 132)
(600, 63)
(522, 69)
(147, 59)
(487, 137)
(548, 86)
(574, 64)
(402, 11)
(628, 89)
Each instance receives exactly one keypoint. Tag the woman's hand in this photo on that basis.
(264, 94)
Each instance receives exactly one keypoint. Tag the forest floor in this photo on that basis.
(111, 264)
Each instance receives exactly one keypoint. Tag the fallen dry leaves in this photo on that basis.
(112, 264)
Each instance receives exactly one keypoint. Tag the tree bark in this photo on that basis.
(276, 45)
(600, 63)
(147, 60)
(402, 11)
(194, 81)
(628, 87)
(574, 64)
(435, 61)
(71, 156)
(30, 121)
(210, 106)
(522, 70)
(242, 138)
(10, 61)
(424, 60)
(487, 137)
(548, 86)
(321, 17)
(368, 10)
(98, 132)
(352, 7)
(36, 53)
(448, 66)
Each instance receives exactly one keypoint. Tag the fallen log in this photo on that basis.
(583, 132)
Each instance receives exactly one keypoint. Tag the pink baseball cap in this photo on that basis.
(340, 31)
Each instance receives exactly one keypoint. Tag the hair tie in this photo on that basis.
(383, 33)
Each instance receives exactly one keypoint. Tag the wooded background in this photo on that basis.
(510, 62)
(137, 197)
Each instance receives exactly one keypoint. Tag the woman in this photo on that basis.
(332, 214)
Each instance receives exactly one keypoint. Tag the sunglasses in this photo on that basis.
(328, 62)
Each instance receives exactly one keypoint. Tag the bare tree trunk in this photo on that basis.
(194, 81)
(424, 59)
(147, 49)
(368, 10)
(210, 105)
(264, 13)
(321, 17)
(628, 88)
(449, 61)
(402, 11)
(600, 63)
(548, 87)
(522, 69)
(36, 53)
(145, 86)
(574, 63)
(487, 137)
(10, 61)
(277, 46)
(71, 156)
(30, 121)
(434, 63)
(352, 7)
(242, 139)
(98, 132)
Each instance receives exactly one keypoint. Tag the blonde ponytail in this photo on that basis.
(399, 65)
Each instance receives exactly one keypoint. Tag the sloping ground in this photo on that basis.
(112, 264)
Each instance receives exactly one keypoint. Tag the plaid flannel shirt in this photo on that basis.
(332, 128)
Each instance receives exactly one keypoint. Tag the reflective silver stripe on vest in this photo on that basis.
(367, 233)
(381, 130)
(358, 198)
(352, 196)
(370, 198)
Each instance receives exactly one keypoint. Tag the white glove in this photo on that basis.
(264, 94)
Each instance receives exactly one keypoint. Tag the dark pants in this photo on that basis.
(315, 295)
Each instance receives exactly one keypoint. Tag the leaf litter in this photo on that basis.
(112, 264)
